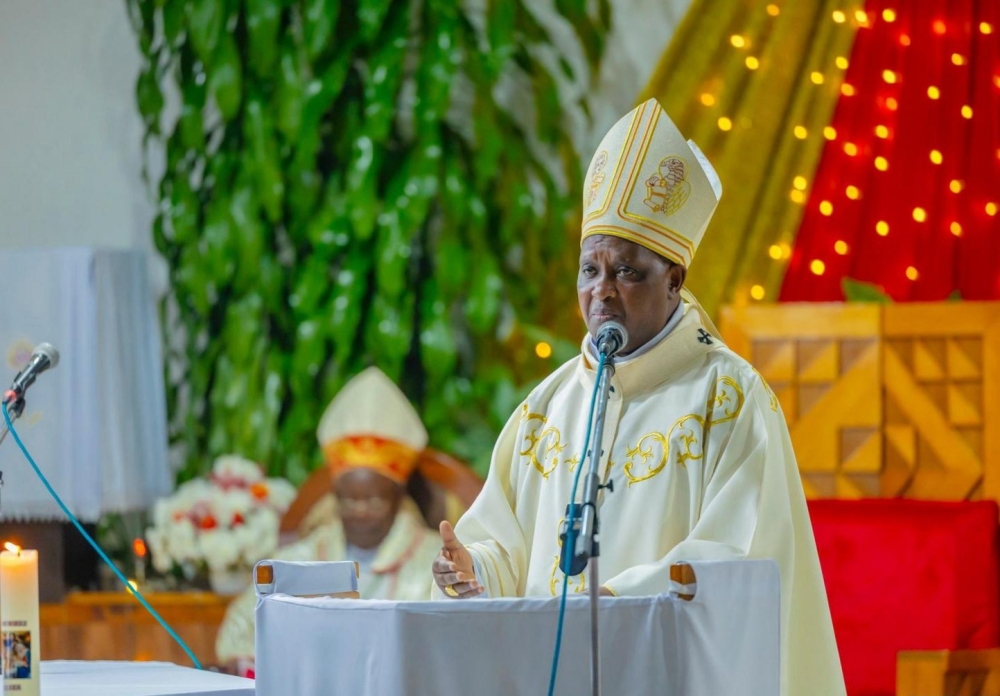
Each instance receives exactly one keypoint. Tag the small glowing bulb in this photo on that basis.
(839, 17)
(737, 41)
(816, 77)
(936, 157)
(882, 227)
(830, 133)
(841, 247)
(891, 104)
(904, 39)
(847, 89)
(797, 196)
(861, 16)
(543, 350)
(851, 149)
(889, 15)
(774, 251)
(800, 183)
(752, 63)
(826, 208)
(889, 76)
(957, 59)
(919, 214)
(817, 267)
(996, 80)
(955, 186)
(933, 92)
(842, 62)
(956, 229)
(911, 273)
(881, 131)
(940, 27)
(757, 292)
(773, 10)
(853, 193)
(991, 208)
(881, 163)
(707, 99)
(800, 132)
(985, 28)
(725, 124)
(966, 111)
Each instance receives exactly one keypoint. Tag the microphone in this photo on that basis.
(611, 338)
(44, 357)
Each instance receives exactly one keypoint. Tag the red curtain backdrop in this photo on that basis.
(921, 92)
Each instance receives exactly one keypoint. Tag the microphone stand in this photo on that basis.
(15, 408)
(584, 521)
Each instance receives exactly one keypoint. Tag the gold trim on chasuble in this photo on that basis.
(549, 441)
(692, 431)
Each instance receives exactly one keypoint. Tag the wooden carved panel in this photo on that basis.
(941, 401)
(822, 360)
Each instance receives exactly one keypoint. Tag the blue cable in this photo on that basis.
(570, 540)
(100, 551)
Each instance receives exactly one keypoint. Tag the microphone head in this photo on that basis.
(611, 338)
(49, 351)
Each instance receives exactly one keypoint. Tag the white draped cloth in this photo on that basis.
(96, 424)
(724, 641)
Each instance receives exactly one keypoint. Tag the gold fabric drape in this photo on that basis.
(708, 73)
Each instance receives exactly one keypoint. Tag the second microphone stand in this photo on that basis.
(583, 520)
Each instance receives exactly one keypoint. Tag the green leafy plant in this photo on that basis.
(349, 183)
(857, 291)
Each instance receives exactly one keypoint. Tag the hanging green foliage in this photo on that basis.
(347, 183)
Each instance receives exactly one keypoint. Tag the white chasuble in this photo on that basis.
(702, 465)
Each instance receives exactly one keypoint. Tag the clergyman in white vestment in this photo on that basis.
(371, 438)
(695, 441)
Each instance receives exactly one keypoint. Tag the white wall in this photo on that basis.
(70, 133)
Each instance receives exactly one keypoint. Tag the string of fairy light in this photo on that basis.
(800, 184)
(882, 132)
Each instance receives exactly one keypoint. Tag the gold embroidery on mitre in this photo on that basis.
(597, 175)
(668, 189)
(390, 458)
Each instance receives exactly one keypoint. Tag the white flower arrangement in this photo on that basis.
(226, 522)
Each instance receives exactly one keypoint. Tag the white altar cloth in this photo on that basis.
(725, 641)
(72, 678)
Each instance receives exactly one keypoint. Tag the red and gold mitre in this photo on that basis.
(371, 424)
(649, 185)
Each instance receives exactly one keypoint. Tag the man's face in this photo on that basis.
(622, 281)
(368, 503)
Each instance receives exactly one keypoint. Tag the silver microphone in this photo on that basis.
(611, 338)
(43, 358)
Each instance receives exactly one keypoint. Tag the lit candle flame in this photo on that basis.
(13, 548)
(139, 547)
(133, 584)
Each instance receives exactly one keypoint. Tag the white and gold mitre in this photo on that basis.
(650, 186)
(371, 424)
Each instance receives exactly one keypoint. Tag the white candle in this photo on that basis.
(19, 639)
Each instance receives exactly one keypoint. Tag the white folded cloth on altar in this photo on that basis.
(724, 641)
(307, 578)
(99, 678)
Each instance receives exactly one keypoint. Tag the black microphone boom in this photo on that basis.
(44, 357)
(611, 338)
